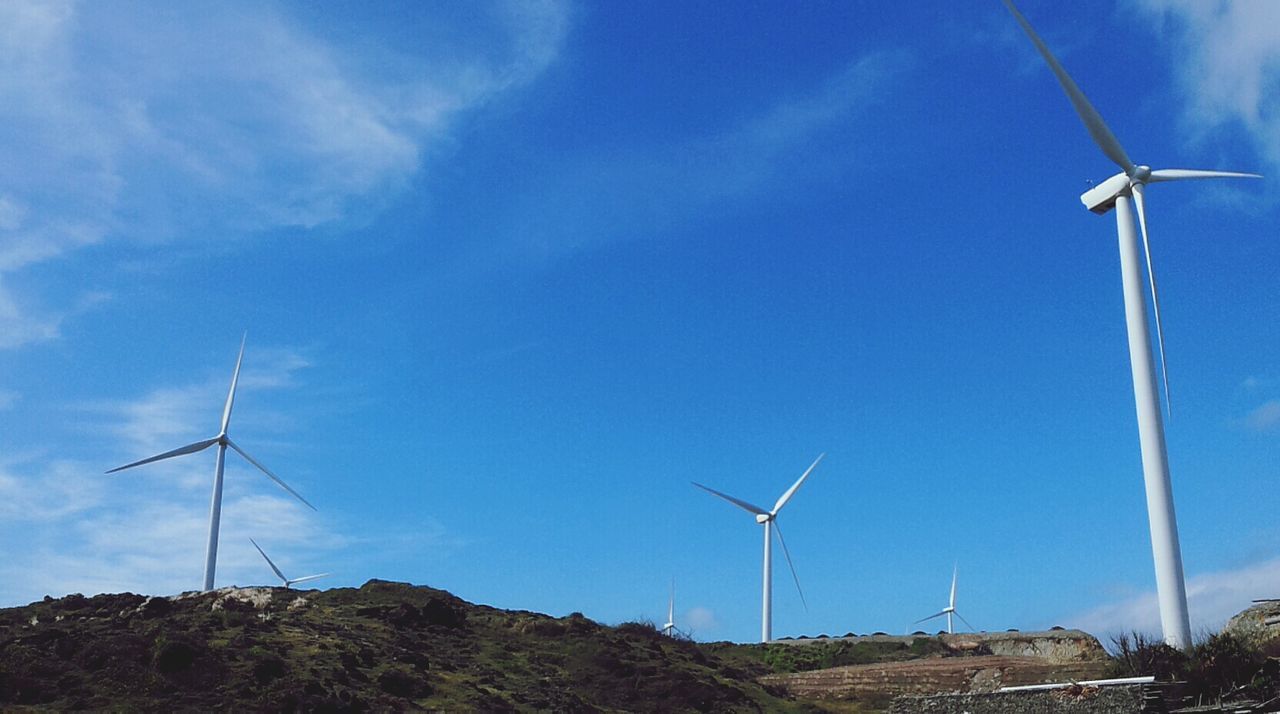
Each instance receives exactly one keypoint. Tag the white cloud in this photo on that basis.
(1229, 65)
(1212, 599)
(127, 122)
(1265, 417)
(699, 620)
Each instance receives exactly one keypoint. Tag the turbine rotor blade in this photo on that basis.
(966, 622)
(305, 578)
(231, 394)
(952, 602)
(273, 565)
(926, 619)
(1139, 200)
(180, 451)
(270, 475)
(1098, 129)
(735, 501)
(1181, 174)
(791, 565)
(782, 500)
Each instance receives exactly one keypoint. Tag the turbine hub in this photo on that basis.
(1140, 174)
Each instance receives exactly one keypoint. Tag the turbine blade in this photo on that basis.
(671, 604)
(270, 475)
(180, 451)
(273, 565)
(782, 500)
(926, 619)
(305, 578)
(1102, 135)
(952, 602)
(231, 394)
(1180, 174)
(966, 622)
(737, 502)
(791, 565)
(1139, 200)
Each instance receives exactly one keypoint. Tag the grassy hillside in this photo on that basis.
(384, 646)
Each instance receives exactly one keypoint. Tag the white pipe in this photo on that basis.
(1087, 683)
(1170, 585)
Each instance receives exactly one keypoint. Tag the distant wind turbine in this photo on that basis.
(215, 506)
(287, 581)
(949, 610)
(1117, 192)
(768, 519)
(669, 628)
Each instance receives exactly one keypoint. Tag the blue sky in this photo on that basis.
(513, 275)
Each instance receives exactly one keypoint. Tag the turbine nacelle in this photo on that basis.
(763, 518)
(1102, 198)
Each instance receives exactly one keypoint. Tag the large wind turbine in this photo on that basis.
(215, 506)
(1117, 192)
(287, 581)
(768, 519)
(949, 610)
(669, 629)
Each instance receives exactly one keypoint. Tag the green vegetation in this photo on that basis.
(821, 654)
(1219, 668)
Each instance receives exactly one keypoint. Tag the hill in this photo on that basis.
(392, 646)
(384, 646)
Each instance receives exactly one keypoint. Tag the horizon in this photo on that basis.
(513, 276)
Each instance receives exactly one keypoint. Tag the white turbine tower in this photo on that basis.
(1117, 192)
(949, 610)
(215, 506)
(669, 628)
(768, 519)
(287, 581)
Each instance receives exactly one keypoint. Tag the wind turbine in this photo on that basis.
(949, 610)
(287, 581)
(215, 506)
(1117, 192)
(670, 627)
(768, 519)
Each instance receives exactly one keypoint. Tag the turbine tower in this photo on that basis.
(1119, 192)
(223, 441)
(768, 519)
(287, 582)
(669, 628)
(949, 610)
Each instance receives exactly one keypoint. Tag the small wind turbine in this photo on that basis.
(1117, 192)
(949, 610)
(768, 519)
(669, 628)
(287, 581)
(215, 506)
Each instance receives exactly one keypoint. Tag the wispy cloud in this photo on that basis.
(1212, 599)
(1265, 417)
(627, 191)
(125, 123)
(1229, 66)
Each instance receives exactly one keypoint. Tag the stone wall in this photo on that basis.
(1104, 700)
(931, 676)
